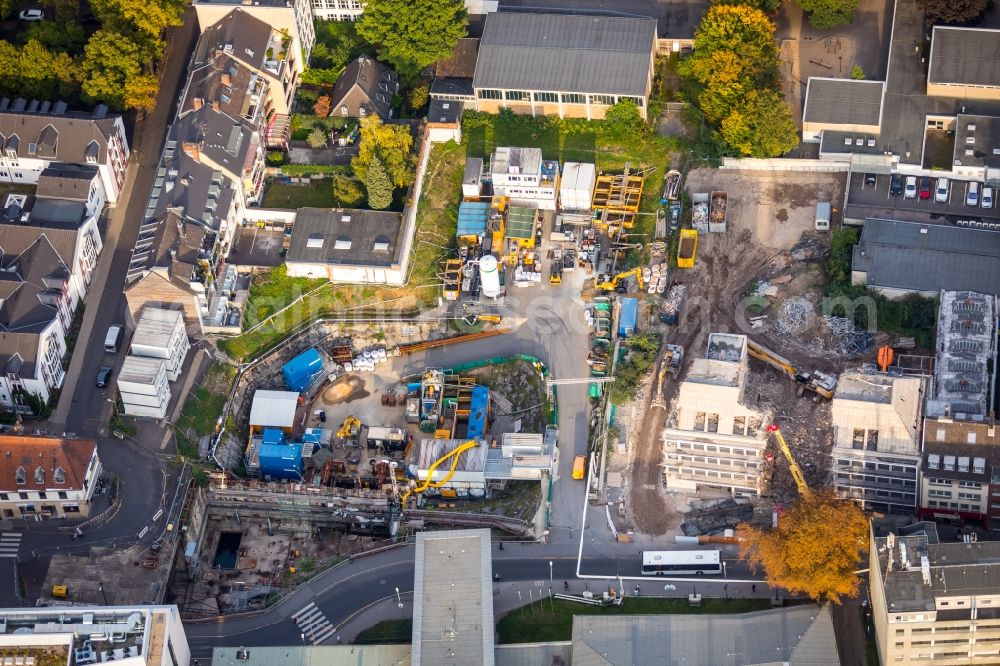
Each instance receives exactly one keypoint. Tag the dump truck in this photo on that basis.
(670, 309)
(717, 212)
(686, 247)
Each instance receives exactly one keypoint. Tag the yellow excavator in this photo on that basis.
(800, 479)
(428, 483)
(617, 283)
(818, 382)
(350, 428)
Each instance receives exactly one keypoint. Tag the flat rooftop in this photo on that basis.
(965, 56)
(866, 388)
(453, 599)
(977, 141)
(843, 101)
(345, 236)
(156, 326)
(516, 160)
(966, 335)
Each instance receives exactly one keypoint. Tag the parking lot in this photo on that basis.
(865, 200)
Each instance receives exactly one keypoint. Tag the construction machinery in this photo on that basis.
(800, 479)
(818, 382)
(428, 483)
(556, 267)
(452, 279)
(686, 248)
(350, 428)
(617, 283)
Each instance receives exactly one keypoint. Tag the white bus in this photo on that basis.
(680, 562)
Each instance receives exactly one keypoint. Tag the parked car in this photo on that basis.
(103, 376)
(987, 198)
(870, 179)
(925, 188)
(941, 193)
(910, 192)
(972, 194)
(31, 15)
(896, 185)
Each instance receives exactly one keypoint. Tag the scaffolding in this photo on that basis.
(966, 352)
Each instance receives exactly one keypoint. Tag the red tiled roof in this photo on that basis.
(49, 453)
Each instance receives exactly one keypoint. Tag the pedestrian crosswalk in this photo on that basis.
(313, 624)
(10, 542)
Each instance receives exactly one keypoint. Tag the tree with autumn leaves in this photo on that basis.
(735, 68)
(816, 549)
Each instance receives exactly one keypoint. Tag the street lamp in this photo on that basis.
(550, 570)
(100, 586)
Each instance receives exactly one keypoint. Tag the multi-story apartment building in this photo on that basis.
(960, 472)
(47, 476)
(80, 634)
(934, 603)
(35, 136)
(714, 443)
(876, 442)
(337, 10)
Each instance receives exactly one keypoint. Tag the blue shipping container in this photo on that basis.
(477, 412)
(281, 461)
(626, 321)
(301, 370)
(272, 436)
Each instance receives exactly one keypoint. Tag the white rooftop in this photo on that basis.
(274, 408)
(141, 370)
(156, 326)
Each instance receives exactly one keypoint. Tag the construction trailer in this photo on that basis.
(576, 189)
(302, 370)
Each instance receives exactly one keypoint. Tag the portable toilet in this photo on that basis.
(823, 210)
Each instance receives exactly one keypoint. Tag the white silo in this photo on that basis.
(489, 276)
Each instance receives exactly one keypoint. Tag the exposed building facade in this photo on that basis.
(47, 477)
(713, 443)
(876, 440)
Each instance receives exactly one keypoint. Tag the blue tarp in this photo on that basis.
(313, 436)
(472, 217)
(281, 461)
(626, 321)
(272, 436)
(477, 412)
(302, 369)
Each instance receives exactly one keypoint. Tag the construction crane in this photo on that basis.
(454, 455)
(800, 480)
(818, 382)
(616, 283)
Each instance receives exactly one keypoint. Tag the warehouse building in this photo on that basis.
(842, 105)
(965, 63)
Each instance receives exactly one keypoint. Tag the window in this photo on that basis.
(739, 425)
(872, 443)
(949, 463)
(39, 475)
(573, 98)
(858, 439)
(20, 477)
(516, 96)
(605, 100)
(488, 93)
(63, 494)
(547, 97)
(59, 476)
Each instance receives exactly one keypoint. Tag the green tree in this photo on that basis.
(7, 8)
(766, 6)
(392, 144)
(824, 14)
(111, 62)
(761, 126)
(413, 34)
(953, 11)
(420, 94)
(337, 43)
(857, 73)
(347, 191)
(838, 266)
(64, 11)
(66, 37)
(378, 186)
(317, 138)
(624, 120)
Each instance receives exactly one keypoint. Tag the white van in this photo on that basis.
(972, 194)
(113, 338)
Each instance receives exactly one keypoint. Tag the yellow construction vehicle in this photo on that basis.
(617, 283)
(428, 483)
(800, 480)
(819, 383)
(350, 428)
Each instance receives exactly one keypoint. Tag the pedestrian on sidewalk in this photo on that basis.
(501, 545)
(339, 641)
(754, 588)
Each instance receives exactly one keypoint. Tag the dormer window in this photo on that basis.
(59, 476)
(39, 475)
(20, 477)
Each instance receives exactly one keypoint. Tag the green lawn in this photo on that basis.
(202, 408)
(387, 631)
(553, 620)
(269, 292)
(316, 194)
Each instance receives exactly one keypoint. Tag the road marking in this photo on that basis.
(313, 624)
(10, 543)
(303, 610)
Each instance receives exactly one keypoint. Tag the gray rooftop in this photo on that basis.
(313, 655)
(977, 141)
(795, 636)
(843, 101)
(453, 599)
(966, 342)
(347, 237)
(965, 56)
(864, 388)
(565, 52)
(66, 137)
(66, 181)
(952, 258)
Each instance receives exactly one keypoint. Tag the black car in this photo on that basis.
(896, 185)
(103, 376)
(870, 179)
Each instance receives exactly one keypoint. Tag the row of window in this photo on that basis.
(882, 467)
(711, 474)
(961, 506)
(721, 462)
(337, 4)
(713, 448)
(6, 497)
(870, 479)
(553, 98)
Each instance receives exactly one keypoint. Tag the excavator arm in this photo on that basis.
(454, 455)
(800, 479)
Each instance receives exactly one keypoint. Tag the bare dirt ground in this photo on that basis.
(768, 213)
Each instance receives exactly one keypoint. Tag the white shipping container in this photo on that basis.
(577, 185)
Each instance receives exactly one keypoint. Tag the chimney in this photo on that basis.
(226, 79)
(198, 103)
(191, 150)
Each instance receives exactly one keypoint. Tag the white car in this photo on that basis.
(941, 192)
(972, 194)
(987, 199)
(910, 191)
(31, 15)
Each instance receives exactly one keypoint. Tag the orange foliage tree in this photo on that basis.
(815, 550)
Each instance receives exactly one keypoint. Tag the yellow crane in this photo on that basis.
(454, 455)
(606, 283)
(800, 480)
